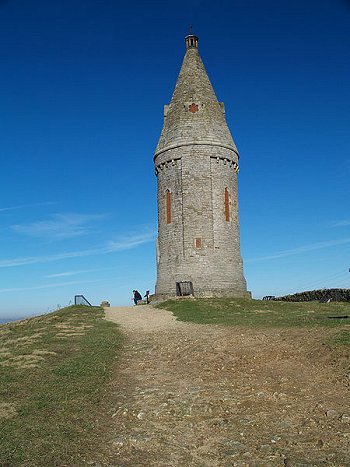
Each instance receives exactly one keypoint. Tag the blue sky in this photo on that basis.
(82, 89)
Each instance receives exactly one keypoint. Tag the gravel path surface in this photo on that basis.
(211, 396)
(143, 318)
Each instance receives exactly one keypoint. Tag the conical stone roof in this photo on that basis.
(194, 115)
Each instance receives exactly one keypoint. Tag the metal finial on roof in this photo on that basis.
(191, 40)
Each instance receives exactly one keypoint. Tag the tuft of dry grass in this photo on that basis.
(7, 410)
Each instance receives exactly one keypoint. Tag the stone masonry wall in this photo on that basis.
(196, 160)
(197, 177)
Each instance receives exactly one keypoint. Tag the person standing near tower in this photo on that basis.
(136, 296)
(196, 163)
(146, 296)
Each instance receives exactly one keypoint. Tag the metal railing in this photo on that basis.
(81, 300)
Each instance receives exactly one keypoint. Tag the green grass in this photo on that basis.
(258, 313)
(53, 370)
(341, 339)
(272, 314)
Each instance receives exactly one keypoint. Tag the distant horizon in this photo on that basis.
(22, 316)
(10, 320)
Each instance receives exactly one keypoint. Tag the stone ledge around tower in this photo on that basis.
(158, 297)
(206, 142)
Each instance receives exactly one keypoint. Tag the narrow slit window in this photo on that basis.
(168, 207)
(227, 205)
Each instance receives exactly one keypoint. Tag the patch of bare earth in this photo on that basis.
(203, 395)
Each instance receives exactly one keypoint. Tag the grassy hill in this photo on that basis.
(53, 371)
(260, 313)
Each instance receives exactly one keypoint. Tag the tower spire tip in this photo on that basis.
(191, 40)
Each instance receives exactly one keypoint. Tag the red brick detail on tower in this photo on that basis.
(198, 242)
(168, 207)
(227, 205)
(193, 108)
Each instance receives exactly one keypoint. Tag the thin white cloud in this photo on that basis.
(63, 274)
(74, 273)
(342, 223)
(124, 244)
(60, 226)
(48, 286)
(301, 249)
(23, 206)
(132, 241)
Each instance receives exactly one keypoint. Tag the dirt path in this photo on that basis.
(199, 395)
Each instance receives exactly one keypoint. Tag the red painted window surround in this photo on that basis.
(227, 205)
(168, 207)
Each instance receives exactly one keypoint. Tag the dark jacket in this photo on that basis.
(137, 295)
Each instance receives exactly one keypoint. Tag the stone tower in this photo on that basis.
(196, 163)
